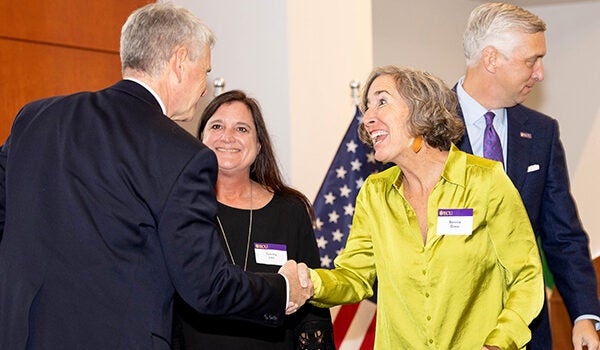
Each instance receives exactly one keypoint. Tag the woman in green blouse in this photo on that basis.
(444, 232)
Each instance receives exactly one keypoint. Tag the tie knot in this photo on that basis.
(489, 118)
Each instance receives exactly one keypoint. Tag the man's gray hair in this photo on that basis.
(497, 24)
(152, 33)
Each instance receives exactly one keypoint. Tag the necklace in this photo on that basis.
(249, 234)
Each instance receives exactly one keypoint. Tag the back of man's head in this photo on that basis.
(151, 34)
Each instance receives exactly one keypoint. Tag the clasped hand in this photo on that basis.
(301, 287)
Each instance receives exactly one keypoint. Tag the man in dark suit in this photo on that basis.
(504, 46)
(107, 207)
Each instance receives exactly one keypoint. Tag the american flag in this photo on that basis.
(353, 325)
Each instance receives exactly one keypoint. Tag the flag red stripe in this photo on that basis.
(369, 341)
(342, 323)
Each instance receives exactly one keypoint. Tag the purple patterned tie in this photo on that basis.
(492, 149)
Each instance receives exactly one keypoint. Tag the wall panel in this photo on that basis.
(57, 47)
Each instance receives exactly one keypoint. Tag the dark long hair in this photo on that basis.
(264, 170)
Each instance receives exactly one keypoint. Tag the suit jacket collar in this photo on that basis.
(464, 144)
(134, 89)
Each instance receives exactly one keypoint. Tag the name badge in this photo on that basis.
(455, 221)
(270, 254)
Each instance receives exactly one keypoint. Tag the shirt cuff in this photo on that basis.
(287, 291)
(590, 317)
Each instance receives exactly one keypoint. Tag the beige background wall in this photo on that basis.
(298, 57)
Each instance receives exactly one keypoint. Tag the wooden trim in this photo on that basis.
(57, 47)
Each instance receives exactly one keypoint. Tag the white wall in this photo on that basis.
(424, 34)
(251, 54)
(297, 58)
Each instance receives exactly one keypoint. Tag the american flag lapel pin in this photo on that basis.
(525, 135)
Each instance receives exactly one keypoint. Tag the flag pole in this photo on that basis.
(219, 85)
(354, 87)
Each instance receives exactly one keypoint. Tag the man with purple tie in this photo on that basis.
(504, 46)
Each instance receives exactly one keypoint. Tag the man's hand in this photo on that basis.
(584, 334)
(301, 287)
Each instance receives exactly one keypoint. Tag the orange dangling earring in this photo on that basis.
(417, 144)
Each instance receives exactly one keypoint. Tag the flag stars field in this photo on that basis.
(371, 157)
(359, 183)
(322, 242)
(337, 235)
(345, 191)
(349, 209)
(329, 198)
(318, 224)
(333, 216)
(351, 146)
(326, 261)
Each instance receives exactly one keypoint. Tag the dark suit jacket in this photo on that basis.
(536, 164)
(106, 208)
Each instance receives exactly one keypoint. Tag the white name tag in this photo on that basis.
(270, 254)
(455, 221)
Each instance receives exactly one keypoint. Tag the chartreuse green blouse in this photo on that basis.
(468, 285)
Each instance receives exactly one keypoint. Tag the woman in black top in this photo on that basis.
(262, 222)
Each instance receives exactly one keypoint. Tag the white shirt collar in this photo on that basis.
(473, 111)
(160, 102)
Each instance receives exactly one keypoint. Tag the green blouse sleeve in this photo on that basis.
(517, 253)
(354, 273)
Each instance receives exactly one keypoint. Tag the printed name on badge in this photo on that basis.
(270, 254)
(455, 221)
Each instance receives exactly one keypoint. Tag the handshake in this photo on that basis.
(300, 284)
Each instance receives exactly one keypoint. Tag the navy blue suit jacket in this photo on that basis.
(536, 164)
(107, 208)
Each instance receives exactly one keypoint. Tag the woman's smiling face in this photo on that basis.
(386, 120)
(231, 134)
